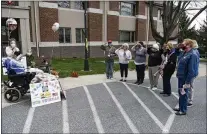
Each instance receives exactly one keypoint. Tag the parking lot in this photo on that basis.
(112, 107)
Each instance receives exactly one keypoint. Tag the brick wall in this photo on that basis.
(94, 27)
(141, 9)
(94, 4)
(114, 5)
(113, 27)
(141, 29)
(47, 17)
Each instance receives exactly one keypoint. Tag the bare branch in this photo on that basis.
(194, 17)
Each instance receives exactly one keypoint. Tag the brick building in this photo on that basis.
(106, 20)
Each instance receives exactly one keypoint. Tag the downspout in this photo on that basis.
(36, 28)
(147, 27)
(105, 21)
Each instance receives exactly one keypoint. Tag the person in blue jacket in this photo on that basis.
(186, 71)
(191, 91)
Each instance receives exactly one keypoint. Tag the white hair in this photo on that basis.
(126, 45)
(156, 46)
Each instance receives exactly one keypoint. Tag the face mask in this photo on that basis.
(13, 45)
(109, 44)
(154, 50)
(183, 47)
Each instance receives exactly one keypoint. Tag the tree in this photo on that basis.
(203, 37)
(172, 12)
(186, 32)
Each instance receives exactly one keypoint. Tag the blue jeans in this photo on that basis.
(183, 99)
(109, 69)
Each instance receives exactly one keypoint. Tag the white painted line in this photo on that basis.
(148, 88)
(171, 118)
(123, 112)
(93, 108)
(176, 96)
(28, 121)
(145, 107)
(66, 128)
(169, 123)
(163, 102)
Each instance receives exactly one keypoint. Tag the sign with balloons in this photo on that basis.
(55, 26)
(11, 24)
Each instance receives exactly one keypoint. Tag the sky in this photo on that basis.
(201, 18)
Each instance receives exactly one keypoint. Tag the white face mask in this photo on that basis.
(13, 45)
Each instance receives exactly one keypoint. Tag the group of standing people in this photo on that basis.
(161, 61)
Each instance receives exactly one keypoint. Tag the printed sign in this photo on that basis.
(45, 93)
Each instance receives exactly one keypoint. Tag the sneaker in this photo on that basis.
(121, 80)
(154, 88)
(176, 109)
(180, 113)
(190, 104)
(125, 80)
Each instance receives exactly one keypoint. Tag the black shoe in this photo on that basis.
(166, 95)
(162, 93)
(121, 80)
(176, 109)
(136, 82)
(180, 113)
(125, 80)
(140, 83)
(190, 104)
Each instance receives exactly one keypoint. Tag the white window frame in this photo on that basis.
(64, 37)
(82, 39)
(133, 8)
(130, 35)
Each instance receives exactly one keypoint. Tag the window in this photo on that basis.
(126, 36)
(127, 8)
(64, 4)
(65, 35)
(79, 5)
(80, 35)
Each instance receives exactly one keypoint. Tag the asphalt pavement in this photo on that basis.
(111, 107)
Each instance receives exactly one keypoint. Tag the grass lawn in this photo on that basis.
(66, 66)
(203, 60)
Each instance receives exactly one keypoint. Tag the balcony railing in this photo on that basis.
(13, 3)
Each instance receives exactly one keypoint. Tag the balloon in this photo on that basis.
(9, 2)
(11, 23)
(55, 26)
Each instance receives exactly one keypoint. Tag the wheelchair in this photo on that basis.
(17, 86)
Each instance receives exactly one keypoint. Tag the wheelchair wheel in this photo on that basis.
(12, 95)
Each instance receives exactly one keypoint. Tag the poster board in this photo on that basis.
(23, 61)
(45, 93)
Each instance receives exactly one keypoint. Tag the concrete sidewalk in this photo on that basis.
(70, 82)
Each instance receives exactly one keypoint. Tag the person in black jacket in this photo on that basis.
(168, 67)
(154, 62)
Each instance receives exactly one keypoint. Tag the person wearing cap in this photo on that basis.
(140, 60)
(154, 63)
(124, 56)
(191, 91)
(109, 53)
